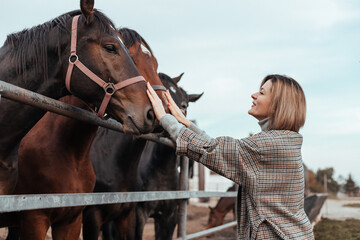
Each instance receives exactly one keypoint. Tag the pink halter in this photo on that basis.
(109, 87)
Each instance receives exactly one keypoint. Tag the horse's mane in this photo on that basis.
(29, 46)
(130, 37)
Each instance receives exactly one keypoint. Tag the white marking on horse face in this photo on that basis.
(145, 50)
(121, 40)
(117, 35)
(172, 89)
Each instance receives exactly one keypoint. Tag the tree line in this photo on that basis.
(316, 183)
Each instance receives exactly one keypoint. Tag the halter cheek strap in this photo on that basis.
(109, 88)
(159, 88)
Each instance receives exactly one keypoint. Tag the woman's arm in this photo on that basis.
(226, 156)
(232, 158)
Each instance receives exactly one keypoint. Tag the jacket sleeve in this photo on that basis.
(234, 159)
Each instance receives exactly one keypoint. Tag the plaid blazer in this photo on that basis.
(269, 170)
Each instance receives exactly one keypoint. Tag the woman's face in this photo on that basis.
(261, 106)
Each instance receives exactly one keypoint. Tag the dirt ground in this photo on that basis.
(197, 218)
(196, 221)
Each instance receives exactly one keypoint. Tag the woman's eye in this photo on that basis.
(261, 93)
(110, 48)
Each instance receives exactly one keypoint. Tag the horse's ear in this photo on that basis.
(87, 8)
(177, 79)
(194, 97)
(211, 208)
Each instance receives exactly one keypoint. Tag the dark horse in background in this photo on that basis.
(158, 171)
(58, 144)
(115, 168)
(37, 59)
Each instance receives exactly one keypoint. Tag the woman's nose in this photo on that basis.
(254, 96)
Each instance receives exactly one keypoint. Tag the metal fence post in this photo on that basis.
(182, 214)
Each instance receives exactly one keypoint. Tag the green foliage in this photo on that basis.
(332, 184)
(350, 187)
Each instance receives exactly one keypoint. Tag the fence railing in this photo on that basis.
(11, 203)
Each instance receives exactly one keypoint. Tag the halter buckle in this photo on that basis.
(110, 88)
(73, 58)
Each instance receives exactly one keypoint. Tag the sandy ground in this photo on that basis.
(198, 216)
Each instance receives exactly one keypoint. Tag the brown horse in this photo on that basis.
(55, 153)
(38, 59)
(118, 153)
(218, 213)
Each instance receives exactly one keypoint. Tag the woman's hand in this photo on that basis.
(175, 111)
(156, 102)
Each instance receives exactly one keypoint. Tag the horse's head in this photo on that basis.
(215, 218)
(180, 96)
(144, 60)
(100, 50)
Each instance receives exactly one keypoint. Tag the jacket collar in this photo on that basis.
(264, 124)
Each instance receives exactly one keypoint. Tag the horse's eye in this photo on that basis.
(110, 48)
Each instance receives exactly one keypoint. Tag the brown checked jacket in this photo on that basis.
(269, 170)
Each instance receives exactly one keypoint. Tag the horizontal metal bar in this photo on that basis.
(11, 203)
(25, 96)
(209, 231)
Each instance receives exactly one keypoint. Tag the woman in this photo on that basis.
(267, 166)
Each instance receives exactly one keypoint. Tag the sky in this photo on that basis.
(225, 48)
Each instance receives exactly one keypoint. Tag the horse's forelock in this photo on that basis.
(130, 37)
(105, 23)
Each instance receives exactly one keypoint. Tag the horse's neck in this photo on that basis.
(75, 136)
(225, 205)
(116, 151)
(16, 119)
(129, 159)
(164, 157)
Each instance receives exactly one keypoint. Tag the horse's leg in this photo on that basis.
(13, 233)
(126, 224)
(141, 218)
(67, 230)
(33, 226)
(109, 231)
(92, 221)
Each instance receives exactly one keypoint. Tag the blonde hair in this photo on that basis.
(288, 103)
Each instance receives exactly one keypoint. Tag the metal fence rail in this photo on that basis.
(210, 231)
(27, 97)
(11, 203)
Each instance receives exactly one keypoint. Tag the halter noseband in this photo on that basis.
(109, 88)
